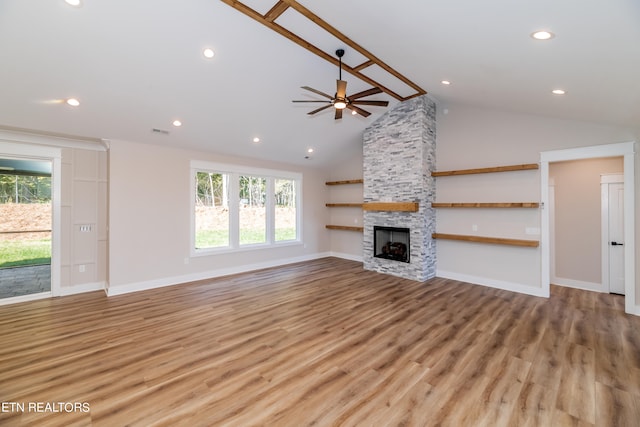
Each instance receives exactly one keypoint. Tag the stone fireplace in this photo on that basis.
(399, 155)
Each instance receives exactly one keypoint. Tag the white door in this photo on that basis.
(616, 238)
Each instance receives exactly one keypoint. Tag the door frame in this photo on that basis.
(605, 180)
(627, 151)
(54, 155)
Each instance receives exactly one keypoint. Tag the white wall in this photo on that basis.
(470, 137)
(149, 214)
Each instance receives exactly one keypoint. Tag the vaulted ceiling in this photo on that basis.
(136, 66)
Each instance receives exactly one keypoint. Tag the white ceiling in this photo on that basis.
(137, 65)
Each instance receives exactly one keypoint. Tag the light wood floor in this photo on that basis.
(323, 343)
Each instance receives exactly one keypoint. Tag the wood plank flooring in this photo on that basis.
(321, 343)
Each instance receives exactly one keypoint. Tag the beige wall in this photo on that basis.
(347, 244)
(577, 220)
(149, 213)
(469, 137)
(83, 207)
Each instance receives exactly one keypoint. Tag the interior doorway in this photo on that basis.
(25, 227)
(576, 212)
(627, 151)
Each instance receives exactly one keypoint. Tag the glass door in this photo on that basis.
(25, 227)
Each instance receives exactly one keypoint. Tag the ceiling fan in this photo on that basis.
(340, 100)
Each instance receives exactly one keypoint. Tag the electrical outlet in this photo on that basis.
(82, 268)
(474, 227)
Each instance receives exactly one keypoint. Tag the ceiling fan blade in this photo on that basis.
(364, 93)
(338, 114)
(341, 91)
(358, 110)
(320, 109)
(372, 102)
(325, 102)
(310, 89)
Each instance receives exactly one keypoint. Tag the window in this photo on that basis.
(236, 208)
(285, 212)
(211, 210)
(253, 210)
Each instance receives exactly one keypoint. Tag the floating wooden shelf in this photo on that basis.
(344, 227)
(343, 205)
(510, 168)
(349, 181)
(487, 205)
(493, 240)
(391, 206)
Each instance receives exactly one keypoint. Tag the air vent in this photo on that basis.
(162, 131)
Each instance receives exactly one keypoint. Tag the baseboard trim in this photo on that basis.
(81, 289)
(492, 283)
(210, 274)
(577, 284)
(350, 257)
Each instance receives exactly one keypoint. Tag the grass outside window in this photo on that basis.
(25, 252)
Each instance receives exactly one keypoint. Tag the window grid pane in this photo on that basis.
(211, 210)
(253, 211)
(285, 210)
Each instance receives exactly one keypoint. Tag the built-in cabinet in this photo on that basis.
(485, 205)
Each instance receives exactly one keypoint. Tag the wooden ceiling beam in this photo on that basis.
(364, 65)
(334, 32)
(282, 5)
(277, 10)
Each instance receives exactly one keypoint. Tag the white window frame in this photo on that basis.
(234, 172)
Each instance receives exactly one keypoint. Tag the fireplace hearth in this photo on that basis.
(391, 243)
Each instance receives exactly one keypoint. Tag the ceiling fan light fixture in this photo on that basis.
(340, 104)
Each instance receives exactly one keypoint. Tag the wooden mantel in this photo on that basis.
(391, 206)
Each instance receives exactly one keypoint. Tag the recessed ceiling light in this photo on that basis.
(354, 112)
(74, 3)
(558, 92)
(208, 53)
(177, 123)
(73, 102)
(310, 150)
(543, 35)
(256, 139)
(445, 82)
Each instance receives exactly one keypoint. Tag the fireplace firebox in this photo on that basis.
(391, 243)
